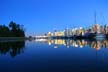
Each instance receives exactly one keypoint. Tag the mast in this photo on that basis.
(95, 17)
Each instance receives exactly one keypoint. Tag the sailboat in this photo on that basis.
(99, 33)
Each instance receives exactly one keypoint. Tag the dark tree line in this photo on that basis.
(13, 30)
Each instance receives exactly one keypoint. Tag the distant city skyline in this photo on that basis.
(41, 16)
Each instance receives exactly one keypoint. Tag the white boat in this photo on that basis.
(100, 36)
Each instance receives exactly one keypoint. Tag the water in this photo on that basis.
(54, 56)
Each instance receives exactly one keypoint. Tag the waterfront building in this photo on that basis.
(96, 31)
(75, 31)
(49, 34)
(106, 29)
(67, 32)
(60, 33)
(96, 28)
(81, 31)
(55, 32)
(102, 30)
(72, 32)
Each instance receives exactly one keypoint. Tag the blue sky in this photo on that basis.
(40, 16)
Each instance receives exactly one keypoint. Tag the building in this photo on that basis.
(49, 34)
(96, 28)
(67, 32)
(60, 33)
(106, 29)
(81, 31)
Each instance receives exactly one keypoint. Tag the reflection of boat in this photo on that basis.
(106, 35)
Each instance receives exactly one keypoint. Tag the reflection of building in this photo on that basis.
(49, 42)
(105, 44)
(77, 43)
(97, 45)
(59, 41)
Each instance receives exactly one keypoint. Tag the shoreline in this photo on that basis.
(13, 38)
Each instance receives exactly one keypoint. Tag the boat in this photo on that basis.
(100, 36)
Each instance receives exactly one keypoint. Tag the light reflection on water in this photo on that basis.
(96, 44)
(59, 55)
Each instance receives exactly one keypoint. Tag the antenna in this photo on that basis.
(95, 17)
(104, 21)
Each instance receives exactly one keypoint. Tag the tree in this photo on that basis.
(4, 31)
(13, 30)
(16, 29)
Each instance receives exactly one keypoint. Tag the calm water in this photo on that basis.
(54, 56)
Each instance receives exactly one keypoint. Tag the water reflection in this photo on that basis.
(13, 48)
(97, 44)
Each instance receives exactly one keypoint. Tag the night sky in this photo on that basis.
(41, 16)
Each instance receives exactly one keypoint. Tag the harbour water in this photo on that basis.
(63, 55)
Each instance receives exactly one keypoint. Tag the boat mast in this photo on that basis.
(95, 17)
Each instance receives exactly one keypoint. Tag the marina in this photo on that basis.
(97, 31)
